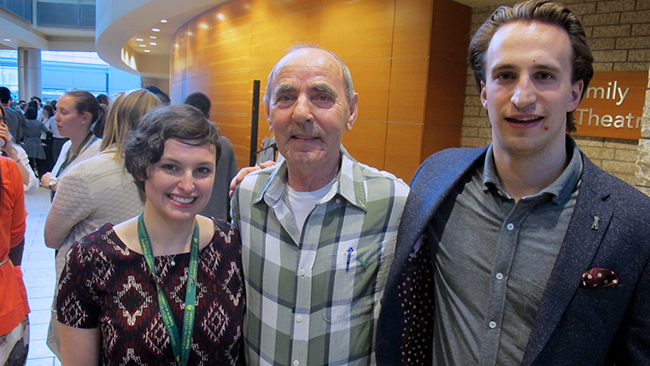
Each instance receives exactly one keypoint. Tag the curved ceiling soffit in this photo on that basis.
(118, 21)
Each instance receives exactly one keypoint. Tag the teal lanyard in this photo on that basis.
(76, 153)
(190, 295)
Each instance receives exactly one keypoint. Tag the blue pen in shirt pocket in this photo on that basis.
(347, 263)
(351, 257)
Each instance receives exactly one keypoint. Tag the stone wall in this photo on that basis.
(643, 161)
(619, 36)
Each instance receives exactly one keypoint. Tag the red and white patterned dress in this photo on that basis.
(105, 284)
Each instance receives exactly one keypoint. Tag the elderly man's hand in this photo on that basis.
(244, 172)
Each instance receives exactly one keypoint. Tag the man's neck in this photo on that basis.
(525, 175)
(309, 179)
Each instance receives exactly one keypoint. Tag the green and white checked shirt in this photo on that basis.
(313, 298)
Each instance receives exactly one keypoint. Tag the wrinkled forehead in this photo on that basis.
(312, 61)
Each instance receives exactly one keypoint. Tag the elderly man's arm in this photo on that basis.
(244, 172)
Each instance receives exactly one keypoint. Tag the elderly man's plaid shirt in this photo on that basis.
(313, 298)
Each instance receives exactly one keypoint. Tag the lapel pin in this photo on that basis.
(594, 226)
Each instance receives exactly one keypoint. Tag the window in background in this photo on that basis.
(65, 70)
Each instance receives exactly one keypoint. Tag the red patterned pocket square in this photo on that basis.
(599, 278)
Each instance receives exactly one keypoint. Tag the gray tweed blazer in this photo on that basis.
(574, 325)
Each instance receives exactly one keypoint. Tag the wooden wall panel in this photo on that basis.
(408, 89)
(447, 77)
(196, 84)
(197, 60)
(263, 10)
(403, 144)
(386, 44)
(230, 92)
(237, 129)
(233, 52)
(358, 29)
(412, 25)
(366, 142)
(223, 18)
(371, 80)
(179, 48)
(199, 27)
(271, 38)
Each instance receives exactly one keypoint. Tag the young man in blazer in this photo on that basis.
(521, 252)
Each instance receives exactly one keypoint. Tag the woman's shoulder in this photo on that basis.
(103, 239)
(8, 164)
(226, 236)
(100, 163)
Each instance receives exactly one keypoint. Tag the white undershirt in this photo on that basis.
(302, 203)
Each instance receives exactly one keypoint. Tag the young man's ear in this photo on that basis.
(576, 95)
(483, 95)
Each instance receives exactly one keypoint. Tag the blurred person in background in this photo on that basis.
(76, 112)
(164, 98)
(14, 119)
(48, 140)
(32, 141)
(57, 139)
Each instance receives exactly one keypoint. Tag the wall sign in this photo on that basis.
(613, 105)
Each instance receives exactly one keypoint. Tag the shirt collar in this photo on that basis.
(348, 183)
(558, 191)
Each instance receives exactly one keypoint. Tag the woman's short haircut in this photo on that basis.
(145, 145)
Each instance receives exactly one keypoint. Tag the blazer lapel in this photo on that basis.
(429, 188)
(578, 249)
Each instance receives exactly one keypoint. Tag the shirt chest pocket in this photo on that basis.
(352, 284)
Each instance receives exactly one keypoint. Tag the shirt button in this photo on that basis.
(302, 273)
(510, 226)
(338, 200)
(493, 325)
(296, 363)
(499, 276)
(298, 319)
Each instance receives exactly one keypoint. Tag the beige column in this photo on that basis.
(642, 171)
(29, 73)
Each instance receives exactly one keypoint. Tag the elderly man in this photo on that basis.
(318, 230)
(539, 257)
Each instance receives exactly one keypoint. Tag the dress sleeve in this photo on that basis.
(76, 303)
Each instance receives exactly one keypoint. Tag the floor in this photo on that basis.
(39, 277)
